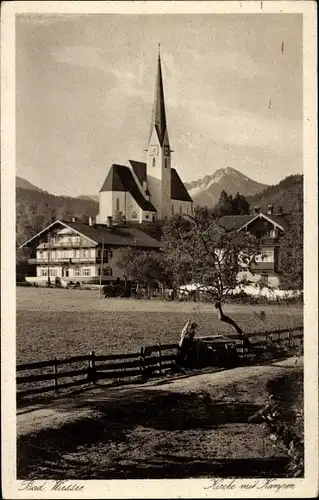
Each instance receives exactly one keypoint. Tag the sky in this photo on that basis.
(85, 87)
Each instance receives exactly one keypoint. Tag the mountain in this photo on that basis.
(286, 196)
(206, 191)
(24, 184)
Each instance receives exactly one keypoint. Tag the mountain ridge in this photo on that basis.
(206, 191)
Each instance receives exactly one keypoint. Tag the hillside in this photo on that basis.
(35, 209)
(206, 191)
(286, 196)
(89, 197)
(24, 184)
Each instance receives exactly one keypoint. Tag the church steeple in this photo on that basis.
(158, 114)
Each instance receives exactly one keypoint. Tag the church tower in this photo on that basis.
(159, 153)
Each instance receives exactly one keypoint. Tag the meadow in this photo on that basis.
(60, 323)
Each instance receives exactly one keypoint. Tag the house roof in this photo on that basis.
(178, 190)
(139, 169)
(239, 221)
(117, 235)
(235, 221)
(99, 233)
(120, 178)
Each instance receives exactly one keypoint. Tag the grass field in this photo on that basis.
(60, 323)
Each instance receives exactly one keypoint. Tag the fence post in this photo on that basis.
(55, 367)
(160, 358)
(142, 362)
(91, 368)
(289, 339)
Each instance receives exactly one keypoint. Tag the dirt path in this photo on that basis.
(61, 411)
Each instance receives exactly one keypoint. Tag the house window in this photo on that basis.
(85, 253)
(86, 271)
(52, 272)
(108, 271)
(264, 280)
(267, 255)
(166, 162)
(180, 209)
(147, 216)
(52, 254)
(44, 271)
(69, 241)
(110, 254)
(77, 254)
(77, 240)
(271, 233)
(134, 215)
(154, 162)
(76, 271)
(117, 204)
(62, 254)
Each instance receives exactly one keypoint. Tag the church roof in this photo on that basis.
(120, 178)
(178, 190)
(139, 168)
(158, 114)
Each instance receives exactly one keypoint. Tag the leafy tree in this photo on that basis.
(291, 255)
(227, 205)
(224, 205)
(199, 250)
(240, 205)
(148, 268)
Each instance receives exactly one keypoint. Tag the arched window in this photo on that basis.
(134, 215)
(117, 204)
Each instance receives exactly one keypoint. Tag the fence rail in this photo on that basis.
(148, 361)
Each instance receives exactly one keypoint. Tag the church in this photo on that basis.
(132, 197)
(146, 191)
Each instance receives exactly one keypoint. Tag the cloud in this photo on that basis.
(129, 81)
(83, 56)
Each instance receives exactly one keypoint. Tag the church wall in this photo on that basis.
(105, 206)
(184, 207)
(132, 208)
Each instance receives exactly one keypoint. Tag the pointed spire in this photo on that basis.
(158, 114)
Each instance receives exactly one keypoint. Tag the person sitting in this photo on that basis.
(186, 341)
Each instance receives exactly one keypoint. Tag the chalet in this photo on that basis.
(268, 229)
(79, 252)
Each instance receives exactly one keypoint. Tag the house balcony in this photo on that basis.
(62, 244)
(263, 266)
(67, 260)
(267, 241)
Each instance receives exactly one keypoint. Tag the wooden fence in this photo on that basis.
(58, 374)
(51, 375)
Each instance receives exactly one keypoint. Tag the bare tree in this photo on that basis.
(199, 250)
